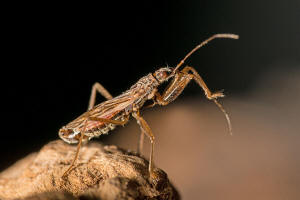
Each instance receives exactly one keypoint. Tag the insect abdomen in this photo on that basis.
(98, 128)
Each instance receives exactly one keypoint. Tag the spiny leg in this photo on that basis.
(147, 130)
(174, 89)
(202, 84)
(181, 79)
(97, 87)
(208, 93)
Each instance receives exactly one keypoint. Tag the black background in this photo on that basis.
(44, 85)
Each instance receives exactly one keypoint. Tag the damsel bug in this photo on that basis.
(105, 116)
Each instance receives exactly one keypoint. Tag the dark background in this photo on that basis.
(44, 86)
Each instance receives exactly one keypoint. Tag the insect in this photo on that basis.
(104, 117)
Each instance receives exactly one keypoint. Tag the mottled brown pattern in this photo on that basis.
(103, 172)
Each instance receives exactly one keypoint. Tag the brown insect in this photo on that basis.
(105, 116)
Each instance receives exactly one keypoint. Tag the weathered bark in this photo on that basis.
(101, 172)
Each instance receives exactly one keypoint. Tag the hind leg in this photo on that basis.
(97, 87)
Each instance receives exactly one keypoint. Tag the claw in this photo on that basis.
(217, 95)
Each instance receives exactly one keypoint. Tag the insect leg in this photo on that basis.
(78, 148)
(141, 143)
(181, 79)
(146, 129)
(208, 93)
(97, 87)
(175, 88)
(117, 122)
(202, 84)
(142, 135)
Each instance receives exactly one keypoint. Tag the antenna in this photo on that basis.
(220, 35)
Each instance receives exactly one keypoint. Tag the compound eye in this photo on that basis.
(162, 75)
(168, 73)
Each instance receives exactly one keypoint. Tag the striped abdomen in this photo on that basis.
(96, 128)
(71, 132)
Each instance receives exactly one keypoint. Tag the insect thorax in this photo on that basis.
(144, 89)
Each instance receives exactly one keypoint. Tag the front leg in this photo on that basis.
(208, 93)
(180, 81)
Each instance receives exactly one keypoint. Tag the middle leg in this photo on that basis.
(147, 130)
(141, 143)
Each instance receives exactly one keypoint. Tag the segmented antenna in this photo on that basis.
(220, 35)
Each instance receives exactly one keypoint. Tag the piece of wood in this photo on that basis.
(101, 172)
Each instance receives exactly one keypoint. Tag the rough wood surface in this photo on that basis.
(101, 172)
